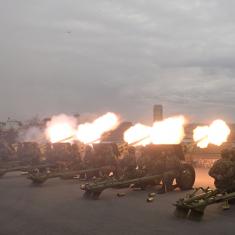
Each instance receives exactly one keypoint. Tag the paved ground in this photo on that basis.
(58, 208)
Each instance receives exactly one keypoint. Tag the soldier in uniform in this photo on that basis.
(89, 161)
(110, 156)
(225, 154)
(107, 158)
(76, 157)
(89, 157)
(4, 151)
(128, 163)
(233, 154)
(141, 160)
(46, 152)
(172, 166)
(155, 163)
(223, 172)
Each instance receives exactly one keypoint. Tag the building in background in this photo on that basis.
(157, 112)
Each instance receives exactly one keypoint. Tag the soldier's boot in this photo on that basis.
(162, 190)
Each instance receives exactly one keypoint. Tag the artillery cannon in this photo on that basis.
(147, 172)
(39, 178)
(26, 156)
(24, 168)
(96, 163)
(196, 202)
(31, 158)
(93, 190)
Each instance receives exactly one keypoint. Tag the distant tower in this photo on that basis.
(157, 112)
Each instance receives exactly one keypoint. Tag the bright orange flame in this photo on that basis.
(92, 132)
(61, 128)
(217, 133)
(138, 134)
(200, 135)
(168, 131)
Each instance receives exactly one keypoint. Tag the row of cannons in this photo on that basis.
(103, 165)
(117, 165)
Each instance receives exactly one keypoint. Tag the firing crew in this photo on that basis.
(223, 170)
(128, 163)
(171, 171)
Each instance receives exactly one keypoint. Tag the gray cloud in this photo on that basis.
(124, 56)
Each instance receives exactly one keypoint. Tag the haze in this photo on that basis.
(69, 56)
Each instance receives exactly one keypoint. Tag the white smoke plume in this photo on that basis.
(32, 134)
(61, 127)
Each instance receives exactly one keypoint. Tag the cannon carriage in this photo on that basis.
(21, 157)
(150, 170)
(99, 161)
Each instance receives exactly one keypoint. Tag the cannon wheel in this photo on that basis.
(87, 194)
(181, 212)
(186, 178)
(92, 194)
(96, 194)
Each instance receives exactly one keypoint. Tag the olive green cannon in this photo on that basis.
(196, 202)
(157, 164)
(24, 168)
(39, 178)
(94, 189)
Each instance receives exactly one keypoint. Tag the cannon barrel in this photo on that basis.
(95, 189)
(195, 202)
(41, 178)
(27, 168)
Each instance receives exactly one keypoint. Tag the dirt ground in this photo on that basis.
(58, 207)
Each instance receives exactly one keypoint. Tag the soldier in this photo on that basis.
(172, 167)
(223, 172)
(225, 154)
(140, 159)
(128, 163)
(76, 157)
(155, 163)
(89, 161)
(233, 155)
(36, 156)
(89, 157)
(109, 159)
(75, 152)
(4, 151)
(46, 152)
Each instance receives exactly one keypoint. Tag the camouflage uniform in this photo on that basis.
(233, 155)
(225, 154)
(109, 158)
(141, 162)
(29, 152)
(223, 172)
(76, 157)
(172, 166)
(156, 163)
(89, 162)
(128, 163)
(4, 152)
(89, 157)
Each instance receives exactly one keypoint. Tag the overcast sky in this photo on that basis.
(92, 56)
